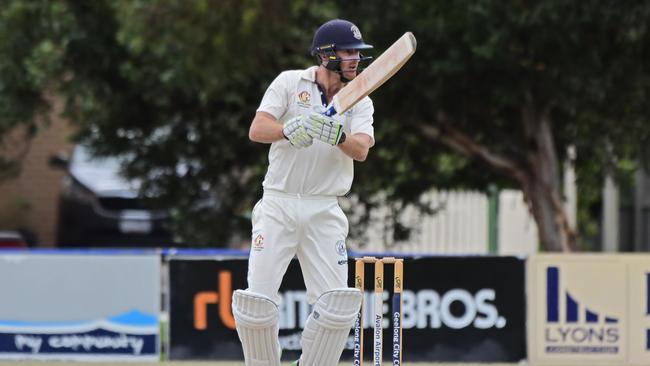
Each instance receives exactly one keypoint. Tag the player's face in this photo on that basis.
(349, 62)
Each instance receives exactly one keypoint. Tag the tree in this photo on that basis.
(495, 93)
(27, 57)
(511, 85)
(172, 83)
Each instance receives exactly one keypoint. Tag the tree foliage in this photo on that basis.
(512, 84)
(495, 93)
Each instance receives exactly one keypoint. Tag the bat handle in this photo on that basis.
(330, 111)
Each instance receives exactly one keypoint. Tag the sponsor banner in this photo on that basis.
(454, 309)
(639, 309)
(589, 309)
(79, 306)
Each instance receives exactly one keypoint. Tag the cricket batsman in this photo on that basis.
(311, 160)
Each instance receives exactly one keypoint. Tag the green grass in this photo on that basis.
(205, 363)
(215, 363)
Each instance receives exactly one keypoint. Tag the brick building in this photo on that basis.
(30, 200)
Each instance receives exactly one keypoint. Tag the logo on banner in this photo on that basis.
(105, 336)
(455, 309)
(647, 311)
(204, 301)
(579, 328)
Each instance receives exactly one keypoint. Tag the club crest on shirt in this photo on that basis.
(340, 249)
(258, 243)
(304, 98)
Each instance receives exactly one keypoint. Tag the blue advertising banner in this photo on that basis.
(74, 306)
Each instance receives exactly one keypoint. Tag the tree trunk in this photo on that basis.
(538, 176)
(541, 184)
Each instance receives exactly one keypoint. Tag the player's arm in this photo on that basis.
(356, 146)
(265, 129)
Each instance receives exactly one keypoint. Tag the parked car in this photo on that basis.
(12, 239)
(100, 207)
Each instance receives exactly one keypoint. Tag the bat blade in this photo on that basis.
(382, 69)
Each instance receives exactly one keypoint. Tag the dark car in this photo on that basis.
(100, 207)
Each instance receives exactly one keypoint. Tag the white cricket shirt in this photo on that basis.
(319, 169)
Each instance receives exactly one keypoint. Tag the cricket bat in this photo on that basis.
(385, 66)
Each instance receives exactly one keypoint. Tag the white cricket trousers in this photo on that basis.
(313, 228)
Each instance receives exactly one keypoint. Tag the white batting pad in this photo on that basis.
(257, 319)
(328, 326)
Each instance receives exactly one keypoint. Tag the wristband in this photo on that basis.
(342, 139)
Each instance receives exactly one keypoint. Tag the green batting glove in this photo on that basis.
(325, 129)
(294, 130)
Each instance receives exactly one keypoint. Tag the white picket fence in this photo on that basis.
(458, 226)
(516, 226)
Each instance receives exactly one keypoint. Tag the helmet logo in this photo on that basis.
(356, 32)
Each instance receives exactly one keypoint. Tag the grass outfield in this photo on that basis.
(214, 363)
(206, 363)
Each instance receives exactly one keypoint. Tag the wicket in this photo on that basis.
(359, 273)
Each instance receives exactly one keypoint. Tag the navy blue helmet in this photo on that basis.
(338, 34)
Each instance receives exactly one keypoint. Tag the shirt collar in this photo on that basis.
(309, 74)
